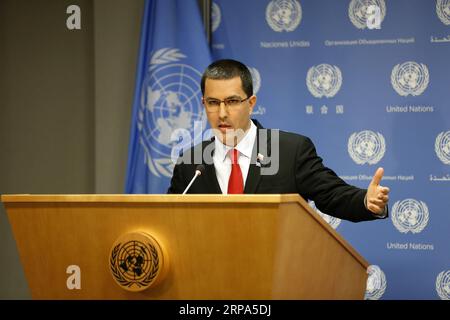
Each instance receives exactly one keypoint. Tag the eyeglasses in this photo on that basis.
(213, 105)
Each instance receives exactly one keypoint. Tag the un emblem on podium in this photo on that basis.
(137, 261)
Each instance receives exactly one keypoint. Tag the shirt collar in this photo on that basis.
(245, 146)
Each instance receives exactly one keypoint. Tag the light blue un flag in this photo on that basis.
(173, 54)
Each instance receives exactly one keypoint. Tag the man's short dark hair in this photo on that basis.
(229, 69)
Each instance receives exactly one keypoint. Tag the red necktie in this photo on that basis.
(236, 183)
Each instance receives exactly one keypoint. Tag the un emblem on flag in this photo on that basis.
(410, 78)
(324, 80)
(410, 215)
(137, 261)
(442, 147)
(283, 15)
(170, 100)
(357, 11)
(376, 283)
(443, 285)
(332, 221)
(443, 11)
(366, 147)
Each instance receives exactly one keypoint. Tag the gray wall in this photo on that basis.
(65, 105)
(116, 35)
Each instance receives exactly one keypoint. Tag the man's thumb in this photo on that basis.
(377, 176)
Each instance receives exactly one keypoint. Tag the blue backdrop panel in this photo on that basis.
(369, 82)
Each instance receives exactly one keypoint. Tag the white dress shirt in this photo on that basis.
(222, 160)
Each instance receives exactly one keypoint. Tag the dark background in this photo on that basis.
(65, 105)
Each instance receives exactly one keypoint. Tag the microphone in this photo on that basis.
(198, 172)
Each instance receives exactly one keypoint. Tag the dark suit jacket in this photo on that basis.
(300, 171)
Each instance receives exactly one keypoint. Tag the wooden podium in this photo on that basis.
(214, 247)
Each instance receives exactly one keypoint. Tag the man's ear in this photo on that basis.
(252, 103)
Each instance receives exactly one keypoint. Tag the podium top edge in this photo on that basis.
(152, 198)
(181, 199)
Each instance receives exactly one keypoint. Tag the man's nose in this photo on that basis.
(222, 110)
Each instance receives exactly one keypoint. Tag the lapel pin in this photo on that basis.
(259, 159)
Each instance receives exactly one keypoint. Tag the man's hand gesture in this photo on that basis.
(377, 196)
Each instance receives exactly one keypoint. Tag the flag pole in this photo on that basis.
(205, 6)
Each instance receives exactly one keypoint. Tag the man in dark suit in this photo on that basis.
(243, 157)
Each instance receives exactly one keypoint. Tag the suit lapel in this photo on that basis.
(253, 177)
(254, 171)
(210, 178)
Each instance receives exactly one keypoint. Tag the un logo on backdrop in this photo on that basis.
(442, 147)
(410, 215)
(216, 16)
(443, 285)
(443, 11)
(170, 100)
(332, 221)
(256, 77)
(376, 283)
(366, 147)
(410, 78)
(283, 15)
(324, 80)
(357, 11)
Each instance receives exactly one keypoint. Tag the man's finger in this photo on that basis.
(377, 202)
(377, 177)
(375, 209)
(384, 190)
